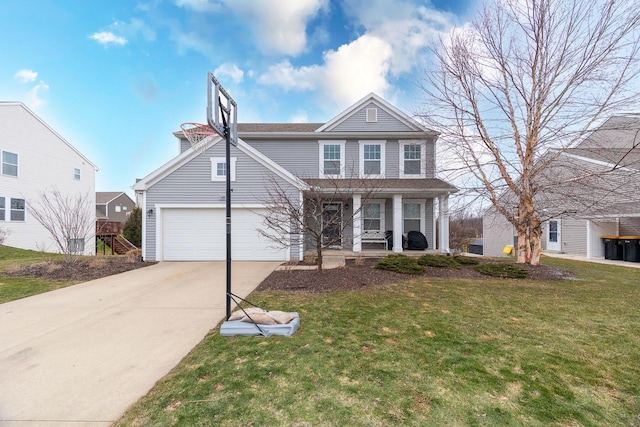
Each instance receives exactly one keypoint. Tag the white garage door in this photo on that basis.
(200, 235)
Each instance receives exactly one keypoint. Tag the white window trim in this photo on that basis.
(343, 146)
(423, 159)
(422, 213)
(214, 169)
(17, 165)
(381, 202)
(77, 176)
(382, 145)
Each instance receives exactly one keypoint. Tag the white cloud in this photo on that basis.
(285, 75)
(348, 74)
(407, 26)
(279, 25)
(34, 97)
(230, 70)
(356, 69)
(26, 76)
(299, 117)
(106, 38)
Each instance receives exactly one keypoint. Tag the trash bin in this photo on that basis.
(631, 248)
(613, 247)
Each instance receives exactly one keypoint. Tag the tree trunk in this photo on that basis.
(319, 253)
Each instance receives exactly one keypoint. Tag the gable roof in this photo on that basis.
(189, 154)
(381, 103)
(104, 197)
(615, 142)
(406, 127)
(16, 104)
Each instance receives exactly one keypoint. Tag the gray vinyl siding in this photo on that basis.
(430, 147)
(630, 226)
(352, 159)
(386, 122)
(191, 184)
(392, 160)
(300, 157)
(574, 236)
(429, 215)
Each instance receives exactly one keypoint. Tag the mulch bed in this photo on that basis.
(364, 275)
(355, 275)
(80, 270)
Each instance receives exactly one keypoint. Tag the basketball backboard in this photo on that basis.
(222, 110)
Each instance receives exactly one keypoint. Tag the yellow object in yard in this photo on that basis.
(507, 250)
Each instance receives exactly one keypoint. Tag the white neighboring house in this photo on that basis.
(35, 158)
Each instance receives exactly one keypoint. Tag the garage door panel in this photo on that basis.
(200, 235)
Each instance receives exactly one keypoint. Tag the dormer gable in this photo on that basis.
(372, 114)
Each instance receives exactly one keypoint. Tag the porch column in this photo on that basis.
(357, 223)
(443, 236)
(397, 223)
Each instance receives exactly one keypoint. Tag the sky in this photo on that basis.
(116, 78)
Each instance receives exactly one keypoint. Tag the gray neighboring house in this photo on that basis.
(183, 201)
(604, 200)
(113, 206)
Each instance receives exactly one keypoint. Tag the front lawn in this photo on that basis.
(423, 351)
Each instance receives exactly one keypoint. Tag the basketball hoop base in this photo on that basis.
(236, 327)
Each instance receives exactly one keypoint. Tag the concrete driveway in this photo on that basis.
(80, 356)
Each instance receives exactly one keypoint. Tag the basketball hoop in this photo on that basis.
(198, 135)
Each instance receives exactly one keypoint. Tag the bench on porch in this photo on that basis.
(374, 237)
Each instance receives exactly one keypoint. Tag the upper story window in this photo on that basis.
(76, 174)
(118, 208)
(372, 158)
(332, 159)
(9, 164)
(412, 160)
(219, 168)
(17, 209)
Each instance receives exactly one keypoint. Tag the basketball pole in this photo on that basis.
(227, 137)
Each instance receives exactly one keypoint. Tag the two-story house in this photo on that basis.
(35, 160)
(183, 201)
(113, 206)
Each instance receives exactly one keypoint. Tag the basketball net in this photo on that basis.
(198, 135)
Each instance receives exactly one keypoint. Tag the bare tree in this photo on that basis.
(316, 216)
(69, 219)
(525, 77)
(4, 233)
(464, 228)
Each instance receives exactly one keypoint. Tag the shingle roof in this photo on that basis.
(106, 196)
(277, 127)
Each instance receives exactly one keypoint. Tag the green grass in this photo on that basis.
(12, 288)
(423, 352)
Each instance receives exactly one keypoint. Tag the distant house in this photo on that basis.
(36, 159)
(372, 142)
(113, 206)
(603, 200)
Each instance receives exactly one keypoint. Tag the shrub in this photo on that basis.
(132, 229)
(439, 261)
(504, 271)
(400, 264)
(465, 260)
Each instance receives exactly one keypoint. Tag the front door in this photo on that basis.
(332, 224)
(553, 235)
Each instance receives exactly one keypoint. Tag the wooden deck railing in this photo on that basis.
(108, 228)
